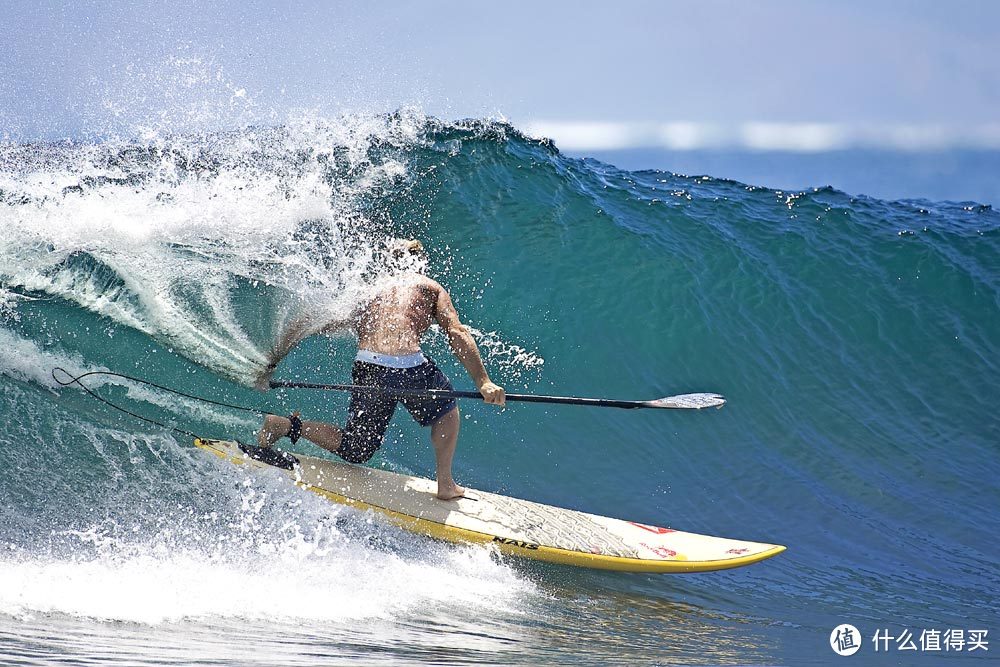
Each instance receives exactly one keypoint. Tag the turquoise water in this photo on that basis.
(856, 341)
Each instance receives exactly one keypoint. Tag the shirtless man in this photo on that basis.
(389, 329)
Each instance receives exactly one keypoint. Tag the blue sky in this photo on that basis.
(72, 68)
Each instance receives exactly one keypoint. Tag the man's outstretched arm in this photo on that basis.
(464, 346)
(297, 331)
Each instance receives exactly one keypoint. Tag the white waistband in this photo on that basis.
(391, 361)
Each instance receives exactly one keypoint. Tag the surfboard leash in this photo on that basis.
(68, 379)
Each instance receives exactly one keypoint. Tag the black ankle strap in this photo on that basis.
(295, 432)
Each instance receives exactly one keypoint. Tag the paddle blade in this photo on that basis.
(687, 402)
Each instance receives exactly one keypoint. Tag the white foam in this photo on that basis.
(22, 359)
(162, 587)
(272, 552)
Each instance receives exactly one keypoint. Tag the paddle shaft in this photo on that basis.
(443, 393)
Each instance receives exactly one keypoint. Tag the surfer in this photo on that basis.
(389, 328)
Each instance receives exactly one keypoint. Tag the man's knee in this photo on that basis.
(356, 455)
(358, 449)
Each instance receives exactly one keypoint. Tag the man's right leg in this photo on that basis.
(327, 436)
(444, 437)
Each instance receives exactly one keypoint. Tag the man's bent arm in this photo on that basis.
(464, 346)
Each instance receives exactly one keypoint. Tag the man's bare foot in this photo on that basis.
(450, 492)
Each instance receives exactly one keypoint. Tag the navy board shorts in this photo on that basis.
(371, 411)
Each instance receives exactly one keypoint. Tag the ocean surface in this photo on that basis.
(856, 339)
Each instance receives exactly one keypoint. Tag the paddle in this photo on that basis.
(678, 402)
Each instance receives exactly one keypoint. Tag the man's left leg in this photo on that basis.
(444, 437)
(327, 436)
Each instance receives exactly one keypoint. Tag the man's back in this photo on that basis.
(393, 322)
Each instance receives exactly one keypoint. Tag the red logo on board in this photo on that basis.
(653, 529)
(662, 552)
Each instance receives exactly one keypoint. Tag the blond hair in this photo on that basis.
(400, 248)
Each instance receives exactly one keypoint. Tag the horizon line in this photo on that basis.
(801, 137)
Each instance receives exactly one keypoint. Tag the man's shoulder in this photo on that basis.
(431, 284)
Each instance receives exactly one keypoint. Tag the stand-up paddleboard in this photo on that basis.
(517, 527)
